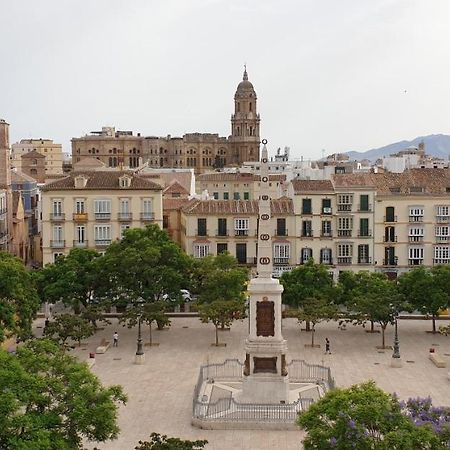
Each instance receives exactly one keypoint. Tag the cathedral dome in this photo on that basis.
(245, 85)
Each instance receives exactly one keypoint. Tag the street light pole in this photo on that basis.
(396, 358)
(140, 356)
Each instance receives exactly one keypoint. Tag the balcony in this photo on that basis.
(443, 219)
(365, 208)
(393, 261)
(326, 234)
(147, 216)
(202, 232)
(344, 207)
(390, 219)
(345, 233)
(80, 244)
(222, 232)
(364, 233)
(3, 212)
(307, 233)
(57, 217)
(327, 211)
(281, 232)
(390, 238)
(241, 232)
(3, 237)
(124, 216)
(326, 262)
(416, 218)
(415, 262)
(80, 217)
(442, 238)
(102, 242)
(252, 261)
(344, 260)
(102, 216)
(281, 261)
(365, 260)
(415, 238)
(57, 244)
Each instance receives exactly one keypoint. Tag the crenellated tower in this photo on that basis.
(245, 123)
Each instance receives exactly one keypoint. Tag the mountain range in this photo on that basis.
(435, 144)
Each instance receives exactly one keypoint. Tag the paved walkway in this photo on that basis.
(160, 391)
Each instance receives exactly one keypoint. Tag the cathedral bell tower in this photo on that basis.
(245, 123)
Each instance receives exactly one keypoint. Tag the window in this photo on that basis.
(216, 195)
(201, 250)
(222, 248)
(389, 234)
(125, 181)
(80, 234)
(222, 227)
(364, 228)
(364, 202)
(443, 213)
(326, 206)
(102, 234)
(416, 234)
(201, 227)
(80, 206)
(241, 253)
(123, 227)
(246, 195)
(226, 196)
(345, 253)
(307, 228)
(306, 206)
(415, 256)
(305, 254)
(363, 254)
(326, 228)
(58, 236)
(390, 217)
(236, 196)
(389, 256)
(281, 227)
(442, 254)
(57, 207)
(241, 227)
(165, 222)
(124, 205)
(147, 208)
(326, 256)
(416, 213)
(442, 233)
(102, 208)
(57, 255)
(345, 202)
(281, 253)
(345, 225)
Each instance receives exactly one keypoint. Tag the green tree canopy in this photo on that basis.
(162, 442)
(19, 301)
(69, 326)
(73, 279)
(365, 417)
(427, 290)
(50, 401)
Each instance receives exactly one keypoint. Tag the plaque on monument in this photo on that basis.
(265, 319)
(265, 365)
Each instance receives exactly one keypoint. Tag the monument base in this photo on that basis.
(396, 362)
(264, 389)
(139, 359)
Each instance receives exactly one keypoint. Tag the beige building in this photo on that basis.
(33, 165)
(92, 209)
(5, 188)
(200, 151)
(46, 147)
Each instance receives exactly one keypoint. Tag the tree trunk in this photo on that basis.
(433, 317)
(383, 343)
(217, 335)
(313, 332)
(308, 326)
(372, 328)
(150, 334)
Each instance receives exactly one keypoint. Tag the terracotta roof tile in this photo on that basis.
(237, 177)
(174, 203)
(245, 207)
(301, 186)
(175, 188)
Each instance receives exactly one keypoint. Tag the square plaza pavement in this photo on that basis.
(160, 391)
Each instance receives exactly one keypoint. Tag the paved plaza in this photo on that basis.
(160, 391)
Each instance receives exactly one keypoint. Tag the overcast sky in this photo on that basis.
(329, 74)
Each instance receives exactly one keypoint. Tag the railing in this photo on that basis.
(326, 234)
(102, 215)
(3, 211)
(102, 242)
(202, 232)
(57, 244)
(308, 233)
(415, 238)
(442, 219)
(228, 410)
(281, 232)
(3, 236)
(344, 207)
(390, 261)
(147, 216)
(364, 233)
(365, 260)
(442, 238)
(415, 262)
(221, 232)
(345, 233)
(80, 217)
(366, 208)
(344, 260)
(390, 239)
(416, 218)
(390, 219)
(125, 216)
(241, 232)
(281, 261)
(80, 244)
(57, 217)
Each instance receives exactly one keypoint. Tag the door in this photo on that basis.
(241, 253)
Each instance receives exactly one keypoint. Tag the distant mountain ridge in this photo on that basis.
(435, 144)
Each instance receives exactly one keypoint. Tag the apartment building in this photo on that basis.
(46, 147)
(238, 185)
(3, 220)
(210, 227)
(92, 209)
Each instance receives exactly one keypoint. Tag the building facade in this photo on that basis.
(92, 209)
(200, 151)
(5, 188)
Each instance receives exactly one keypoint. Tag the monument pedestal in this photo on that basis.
(396, 362)
(139, 359)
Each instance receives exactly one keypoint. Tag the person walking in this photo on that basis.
(327, 347)
(115, 339)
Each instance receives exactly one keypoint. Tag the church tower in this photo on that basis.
(245, 124)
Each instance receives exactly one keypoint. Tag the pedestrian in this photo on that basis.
(115, 339)
(327, 347)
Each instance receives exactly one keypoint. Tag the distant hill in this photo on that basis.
(435, 144)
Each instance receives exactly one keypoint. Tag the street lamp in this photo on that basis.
(140, 356)
(396, 358)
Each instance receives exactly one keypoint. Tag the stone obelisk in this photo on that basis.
(265, 374)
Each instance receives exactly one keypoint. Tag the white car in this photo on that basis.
(185, 294)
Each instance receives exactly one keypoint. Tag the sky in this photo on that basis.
(330, 75)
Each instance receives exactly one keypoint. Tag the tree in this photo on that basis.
(155, 267)
(19, 301)
(218, 277)
(68, 326)
(427, 290)
(371, 296)
(444, 330)
(364, 417)
(315, 310)
(148, 313)
(72, 279)
(158, 442)
(51, 401)
(308, 281)
(222, 312)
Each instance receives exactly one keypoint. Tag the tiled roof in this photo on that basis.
(246, 207)
(237, 177)
(174, 203)
(89, 161)
(33, 154)
(20, 177)
(101, 180)
(165, 178)
(175, 188)
(301, 186)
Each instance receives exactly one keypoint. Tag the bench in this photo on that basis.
(437, 360)
(104, 345)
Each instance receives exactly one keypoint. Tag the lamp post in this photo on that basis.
(396, 358)
(140, 356)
